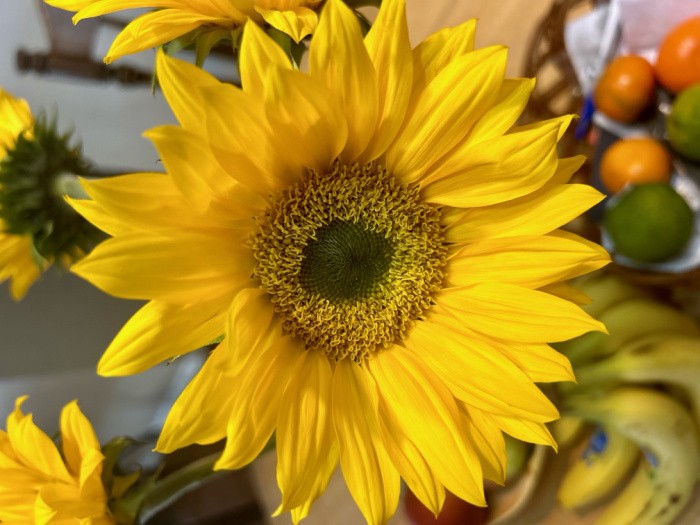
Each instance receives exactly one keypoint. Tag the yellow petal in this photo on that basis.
(426, 414)
(258, 54)
(488, 442)
(157, 201)
(91, 486)
(244, 142)
(498, 170)
(297, 23)
(339, 59)
(70, 5)
(181, 83)
(532, 261)
(560, 123)
(16, 119)
(157, 28)
(61, 504)
(17, 505)
(323, 476)
(411, 464)
(524, 430)
(509, 105)
(568, 292)
(304, 428)
(200, 414)
(165, 267)
(566, 169)
(534, 214)
(92, 8)
(369, 474)
(439, 50)
(194, 170)
(17, 263)
(8, 457)
(445, 112)
(308, 115)
(540, 362)
(77, 438)
(390, 50)
(476, 373)
(33, 447)
(98, 216)
(257, 406)
(248, 322)
(44, 512)
(511, 312)
(160, 331)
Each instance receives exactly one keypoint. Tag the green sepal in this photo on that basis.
(127, 490)
(127, 508)
(207, 41)
(293, 50)
(363, 3)
(111, 451)
(31, 201)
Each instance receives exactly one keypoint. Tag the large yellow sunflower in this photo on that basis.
(172, 19)
(17, 261)
(39, 483)
(379, 244)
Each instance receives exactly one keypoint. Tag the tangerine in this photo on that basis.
(678, 62)
(626, 88)
(635, 160)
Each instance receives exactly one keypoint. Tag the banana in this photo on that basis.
(671, 360)
(567, 430)
(605, 291)
(665, 431)
(626, 322)
(599, 470)
(631, 501)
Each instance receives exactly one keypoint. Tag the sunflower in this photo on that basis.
(17, 260)
(379, 244)
(39, 483)
(37, 167)
(172, 19)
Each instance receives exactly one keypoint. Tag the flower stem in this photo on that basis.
(172, 487)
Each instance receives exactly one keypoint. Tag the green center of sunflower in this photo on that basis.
(350, 258)
(345, 261)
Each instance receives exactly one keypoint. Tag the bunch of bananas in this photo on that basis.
(639, 387)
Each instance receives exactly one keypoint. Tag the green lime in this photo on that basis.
(649, 223)
(683, 123)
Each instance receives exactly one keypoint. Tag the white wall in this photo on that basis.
(109, 118)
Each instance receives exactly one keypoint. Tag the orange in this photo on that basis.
(626, 88)
(635, 161)
(678, 63)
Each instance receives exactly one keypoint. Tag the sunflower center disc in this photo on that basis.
(345, 261)
(350, 258)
